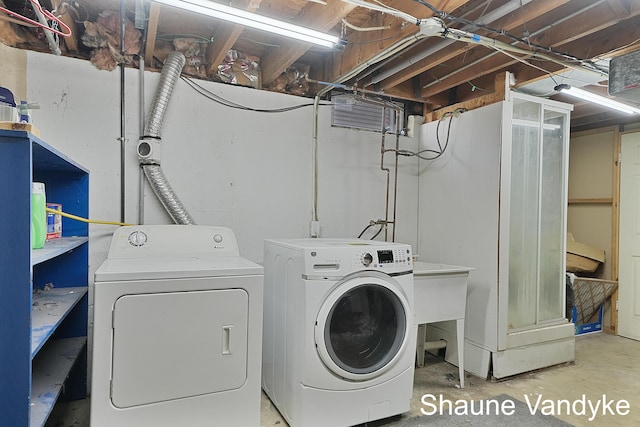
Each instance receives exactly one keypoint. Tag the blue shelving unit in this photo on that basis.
(43, 302)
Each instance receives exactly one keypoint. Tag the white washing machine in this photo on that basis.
(339, 341)
(177, 330)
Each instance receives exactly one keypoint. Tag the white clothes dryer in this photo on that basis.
(339, 340)
(177, 330)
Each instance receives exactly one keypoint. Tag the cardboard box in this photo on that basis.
(589, 297)
(582, 258)
(54, 222)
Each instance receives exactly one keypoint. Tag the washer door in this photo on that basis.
(362, 327)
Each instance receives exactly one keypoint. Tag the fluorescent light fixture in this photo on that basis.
(253, 20)
(597, 99)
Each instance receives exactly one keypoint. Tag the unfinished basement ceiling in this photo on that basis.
(433, 72)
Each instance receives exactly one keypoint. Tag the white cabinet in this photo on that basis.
(496, 202)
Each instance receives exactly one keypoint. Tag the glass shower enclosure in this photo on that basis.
(496, 201)
(537, 210)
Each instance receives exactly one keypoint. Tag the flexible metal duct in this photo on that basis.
(170, 73)
(150, 161)
(167, 196)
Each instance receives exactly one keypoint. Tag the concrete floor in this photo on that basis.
(606, 367)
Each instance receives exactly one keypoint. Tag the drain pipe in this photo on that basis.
(149, 146)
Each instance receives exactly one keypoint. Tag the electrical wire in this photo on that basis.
(385, 9)
(441, 148)
(444, 15)
(172, 37)
(364, 29)
(382, 226)
(612, 53)
(524, 61)
(391, 37)
(446, 142)
(218, 99)
(490, 43)
(79, 218)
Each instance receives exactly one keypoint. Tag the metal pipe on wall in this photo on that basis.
(141, 18)
(141, 176)
(388, 172)
(395, 179)
(122, 113)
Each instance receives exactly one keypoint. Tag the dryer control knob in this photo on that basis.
(137, 238)
(367, 259)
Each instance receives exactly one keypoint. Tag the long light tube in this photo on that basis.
(597, 99)
(253, 20)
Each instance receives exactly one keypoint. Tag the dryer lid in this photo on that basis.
(126, 269)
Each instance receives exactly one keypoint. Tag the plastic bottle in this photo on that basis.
(38, 215)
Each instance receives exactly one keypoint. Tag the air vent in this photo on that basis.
(624, 77)
(351, 111)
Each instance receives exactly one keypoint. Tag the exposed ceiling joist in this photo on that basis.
(396, 59)
(227, 35)
(313, 15)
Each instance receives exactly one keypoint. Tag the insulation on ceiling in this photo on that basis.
(104, 36)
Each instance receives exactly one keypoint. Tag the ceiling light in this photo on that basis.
(253, 20)
(596, 99)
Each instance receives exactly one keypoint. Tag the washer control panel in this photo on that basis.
(387, 257)
(331, 257)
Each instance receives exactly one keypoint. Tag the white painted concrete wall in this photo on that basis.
(245, 170)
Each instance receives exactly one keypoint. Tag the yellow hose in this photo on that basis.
(78, 218)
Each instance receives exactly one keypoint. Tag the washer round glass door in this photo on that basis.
(362, 327)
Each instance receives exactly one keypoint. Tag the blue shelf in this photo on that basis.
(37, 330)
(53, 248)
(49, 309)
(49, 375)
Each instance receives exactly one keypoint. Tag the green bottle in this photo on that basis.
(38, 215)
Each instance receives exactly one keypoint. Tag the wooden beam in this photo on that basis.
(501, 88)
(615, 227)
(313, 15)
(16, 21)
(403, 91)
(589, 22)
(619, 8)
(455, 50)
(152, 32)
(363, 46)
(553, 37)
(596, 201)
(226, 36)
(493, 64)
